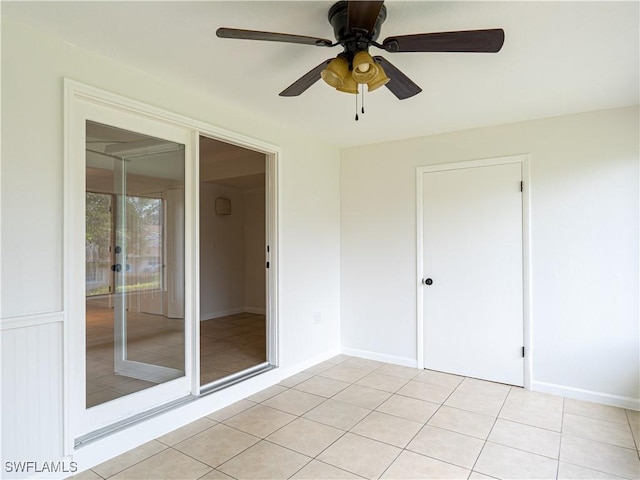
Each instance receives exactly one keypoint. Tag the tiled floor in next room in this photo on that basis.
(355, 418)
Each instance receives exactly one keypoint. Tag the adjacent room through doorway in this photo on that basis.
(233, 256)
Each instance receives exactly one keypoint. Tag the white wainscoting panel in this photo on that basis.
(32, 391)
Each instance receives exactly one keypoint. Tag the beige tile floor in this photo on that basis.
(231, 344)
(152, 339)
(227, 345)
(355, 418)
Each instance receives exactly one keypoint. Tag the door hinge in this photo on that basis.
(522, 186)
(267, 248)
(522, 352)
(267, 264)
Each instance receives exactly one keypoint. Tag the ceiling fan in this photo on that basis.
(356, 26)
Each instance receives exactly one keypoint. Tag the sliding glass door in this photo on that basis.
(138, 334)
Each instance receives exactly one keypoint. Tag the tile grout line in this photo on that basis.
(626, 412)
(404, 449)
(138, 462)
(486, 440)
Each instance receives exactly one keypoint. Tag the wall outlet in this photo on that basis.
(317, 318)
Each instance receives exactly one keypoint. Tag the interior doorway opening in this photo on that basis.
(234, 256)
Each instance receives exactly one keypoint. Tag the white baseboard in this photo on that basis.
(587, 395)
(231, 311)
(220, 313)
(256, 310)
(404, 361)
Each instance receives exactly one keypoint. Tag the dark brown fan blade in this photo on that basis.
(304, 82)
(475, 41)
(399, 84)
(236, 33)
(363, 14)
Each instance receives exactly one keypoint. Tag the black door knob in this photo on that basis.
(116, 268)
(428, 281)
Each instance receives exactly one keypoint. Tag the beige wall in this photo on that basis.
(584, 243)
(34, 66)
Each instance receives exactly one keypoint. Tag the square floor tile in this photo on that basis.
(600, 456)
(409, 408)
(363, 363)
(316, 369)
(362, 396)
(451, 447)
(599, 430)
(426, 391)
(462, 421)
(86, 475)
(533, 408)
(478, 476)
(479, 396)
(325, 387)
(595, 410)
(408, 373)
(344, 374)
(387, 428)
(127, 459)
(216, 445)
(504, 462)
(265, 461)
(634, 422)
(360, 455)
(337, 414)
(338, 359)
(187, 431)
(566, 471)
(231, 410)
(410, 465)
(169, 464)
(295, 402)
(260, 420)
(306, 436)
(266, 394)
(295, 379)
(439, 378)
(316, 470)
(525, 437)
(216, 475)
(379, 381)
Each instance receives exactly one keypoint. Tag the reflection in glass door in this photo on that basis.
(135, 322)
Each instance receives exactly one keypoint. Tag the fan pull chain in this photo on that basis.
(363, 100)
(357, 106)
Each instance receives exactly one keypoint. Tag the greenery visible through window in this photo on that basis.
(143, 232)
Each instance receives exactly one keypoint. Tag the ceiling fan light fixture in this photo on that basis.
(379, 80)
(336, 72)
(349, 85)
(364, 67)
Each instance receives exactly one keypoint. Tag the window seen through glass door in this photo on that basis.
(134, 250)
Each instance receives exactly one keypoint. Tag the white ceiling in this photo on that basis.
(558, 58)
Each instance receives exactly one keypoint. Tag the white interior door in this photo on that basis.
(473, 281)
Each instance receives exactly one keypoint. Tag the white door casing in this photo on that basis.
(471, 227)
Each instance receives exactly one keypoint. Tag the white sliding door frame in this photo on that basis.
(76, 93)
(526, 252)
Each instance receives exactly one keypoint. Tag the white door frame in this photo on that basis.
(526, 252)
(73, 264)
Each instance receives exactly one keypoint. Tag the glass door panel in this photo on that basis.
(135, 329)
